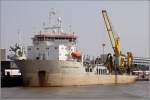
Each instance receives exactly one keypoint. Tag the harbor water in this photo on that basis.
(135, 91)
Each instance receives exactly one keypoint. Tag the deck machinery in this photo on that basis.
(121, 62)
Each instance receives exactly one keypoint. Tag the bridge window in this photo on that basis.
(47, 48)
(29, 48)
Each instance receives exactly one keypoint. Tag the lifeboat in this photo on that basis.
(76, 54)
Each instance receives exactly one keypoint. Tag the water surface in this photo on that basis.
(135, 91)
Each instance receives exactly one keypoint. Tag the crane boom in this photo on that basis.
(109, 28)
(119, 61)
(115, 41)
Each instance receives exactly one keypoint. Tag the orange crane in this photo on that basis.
(119, 58)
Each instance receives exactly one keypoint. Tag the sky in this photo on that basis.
(130, 20)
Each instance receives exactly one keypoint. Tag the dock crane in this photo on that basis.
(119, 58)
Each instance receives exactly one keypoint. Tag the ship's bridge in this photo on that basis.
(48, 36)
(53, 46)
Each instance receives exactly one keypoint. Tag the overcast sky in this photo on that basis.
(130, 20)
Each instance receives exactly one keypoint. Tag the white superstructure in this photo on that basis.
(53, 44)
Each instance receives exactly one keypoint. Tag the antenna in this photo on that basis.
(43, 24)
(70, 28)
(59, 24)
(52, 12)
(19, 36)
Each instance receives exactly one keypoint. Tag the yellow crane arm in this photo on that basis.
(109, 28)
(115, 42)
(116, 45)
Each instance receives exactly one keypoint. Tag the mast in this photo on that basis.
(53, 27)
(51, 13)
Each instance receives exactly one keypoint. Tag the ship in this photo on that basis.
(53, 59)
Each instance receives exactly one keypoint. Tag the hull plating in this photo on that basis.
(64, 73)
